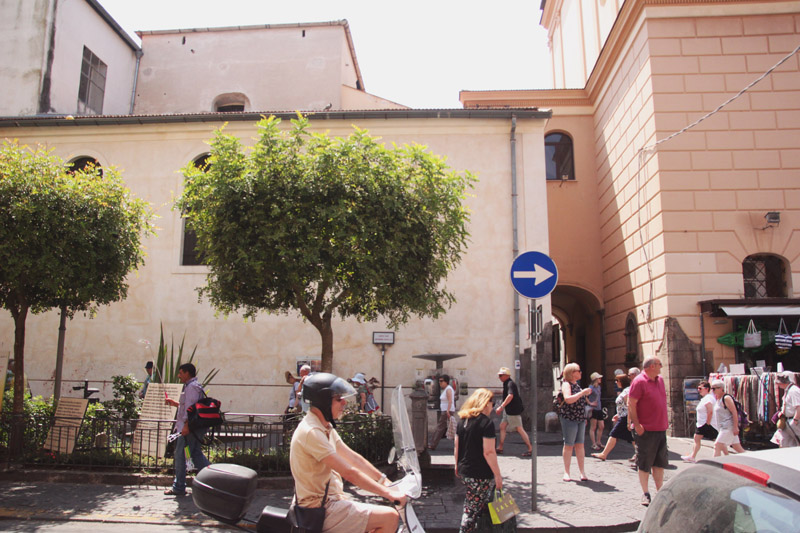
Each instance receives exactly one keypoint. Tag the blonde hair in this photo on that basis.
(476, 403)
(569, 370)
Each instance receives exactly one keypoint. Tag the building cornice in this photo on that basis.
(61, 121)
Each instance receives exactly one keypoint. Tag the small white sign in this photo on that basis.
(517, 364)
(383, 337)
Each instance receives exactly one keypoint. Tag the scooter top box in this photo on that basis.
(224, 491)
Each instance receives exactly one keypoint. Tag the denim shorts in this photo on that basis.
(572, 431)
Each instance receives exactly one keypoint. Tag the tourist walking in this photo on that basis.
(511, 409)
(647, 410)
(595, 416)
(706, 428)
(475, 457)
(727, 418)
(620, 430)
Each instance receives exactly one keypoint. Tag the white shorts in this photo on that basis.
(727, 437)
(346, 516)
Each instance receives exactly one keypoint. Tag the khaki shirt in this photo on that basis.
(312, 442)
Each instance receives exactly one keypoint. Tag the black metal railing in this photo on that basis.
(258, 441)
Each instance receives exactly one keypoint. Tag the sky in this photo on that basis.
(419, 53)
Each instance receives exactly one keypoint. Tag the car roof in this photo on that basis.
(781, 465)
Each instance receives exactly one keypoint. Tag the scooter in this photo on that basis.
(225, 491)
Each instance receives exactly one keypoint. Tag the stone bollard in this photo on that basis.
(551, 423)
(419, 418)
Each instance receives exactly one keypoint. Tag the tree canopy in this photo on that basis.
(302, 222)
(67, 238)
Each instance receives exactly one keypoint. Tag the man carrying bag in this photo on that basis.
(187, 440)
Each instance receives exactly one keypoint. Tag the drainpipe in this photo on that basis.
(703, 342)
(514, 237)
(139, 54)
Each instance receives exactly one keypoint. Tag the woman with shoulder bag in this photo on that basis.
(573, 419)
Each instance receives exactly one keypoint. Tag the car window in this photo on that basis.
(709, 499)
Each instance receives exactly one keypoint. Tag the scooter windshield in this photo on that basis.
(403, 438)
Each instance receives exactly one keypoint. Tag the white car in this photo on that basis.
(742, 493)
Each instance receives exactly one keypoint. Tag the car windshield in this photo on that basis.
(706, 498)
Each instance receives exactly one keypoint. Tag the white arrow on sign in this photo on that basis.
(538, 274)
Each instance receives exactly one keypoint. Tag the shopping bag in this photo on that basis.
(452, 422)
(485, 524)
(503, 507)
(752, 339)
(783, 340)
(796, 334)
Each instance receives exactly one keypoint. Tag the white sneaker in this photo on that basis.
(688, 458)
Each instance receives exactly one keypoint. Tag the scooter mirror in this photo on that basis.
(392, 455)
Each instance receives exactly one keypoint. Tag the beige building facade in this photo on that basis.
(188, 84)
(679, 224)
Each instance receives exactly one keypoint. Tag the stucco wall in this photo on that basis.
(78, 25)
(253, 356)
(287, 67)
(24, 40)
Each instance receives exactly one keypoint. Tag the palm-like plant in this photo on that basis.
(167, 363)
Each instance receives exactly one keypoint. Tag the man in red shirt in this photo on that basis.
(647, 412)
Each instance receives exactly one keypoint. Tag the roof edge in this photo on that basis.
(118, 120)
(100, 10)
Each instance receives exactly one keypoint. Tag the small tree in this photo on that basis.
(318, 225)
(67, 239)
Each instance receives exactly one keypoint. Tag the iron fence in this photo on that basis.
(258, 441)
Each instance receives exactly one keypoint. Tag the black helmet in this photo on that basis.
(319, 389)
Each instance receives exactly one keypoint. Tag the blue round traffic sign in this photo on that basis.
(534, 275)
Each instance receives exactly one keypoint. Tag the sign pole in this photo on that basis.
(383, 374)
(383, 338)
(534, 275)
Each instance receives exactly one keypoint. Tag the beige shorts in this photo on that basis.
(346, 516)
(727, 437)
(513, 421)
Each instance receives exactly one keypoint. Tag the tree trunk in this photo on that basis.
(326, 332)
(62, 331)
(16, 439)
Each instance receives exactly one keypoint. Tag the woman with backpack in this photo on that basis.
(727, 420)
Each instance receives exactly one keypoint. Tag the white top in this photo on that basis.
(702, 414)
(443, 400)
(791, 400)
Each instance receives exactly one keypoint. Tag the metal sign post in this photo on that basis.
(534, 275)
(383, 338)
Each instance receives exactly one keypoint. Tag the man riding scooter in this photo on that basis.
(319, 459)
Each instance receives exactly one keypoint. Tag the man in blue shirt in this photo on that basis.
(192, 392)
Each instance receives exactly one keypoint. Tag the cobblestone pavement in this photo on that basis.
(609, 501)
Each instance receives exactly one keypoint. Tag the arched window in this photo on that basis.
(82, 162)
(189, 254)
(764, 276)
(631, 339)
(231, 103)
(559, 157)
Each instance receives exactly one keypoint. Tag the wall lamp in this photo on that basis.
(773, 219)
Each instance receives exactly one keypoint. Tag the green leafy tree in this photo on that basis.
(321, 226)
(67, 240)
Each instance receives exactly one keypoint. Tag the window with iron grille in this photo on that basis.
(91, 90)
(764, 277)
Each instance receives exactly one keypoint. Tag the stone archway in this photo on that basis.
(578, 329)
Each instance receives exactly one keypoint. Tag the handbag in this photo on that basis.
(308, 519)
(783, 340)
(503, 507)
(452, 423)
(796, 335)
(781, 423)
(752, 338)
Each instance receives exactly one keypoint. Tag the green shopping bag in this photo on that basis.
(503, 508)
